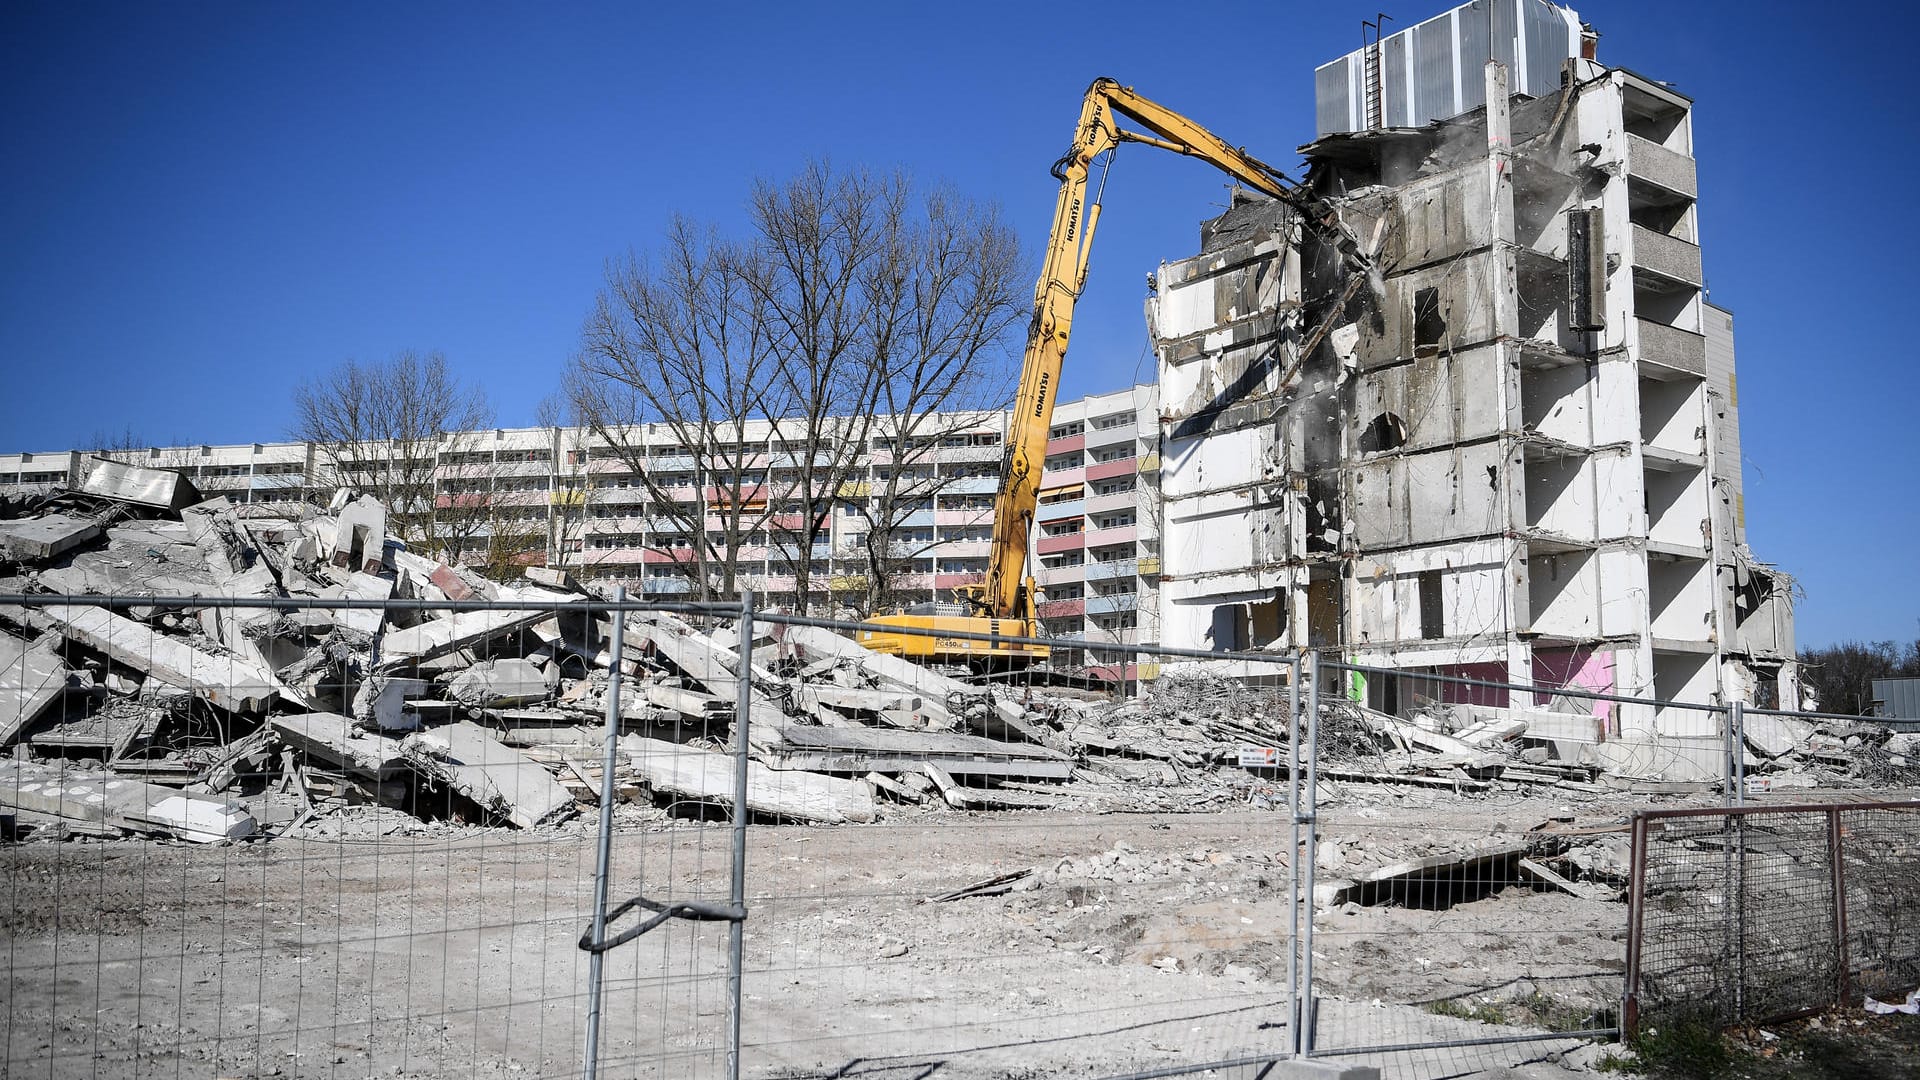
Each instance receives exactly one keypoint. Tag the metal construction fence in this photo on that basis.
(1756, 913)
(552, 835)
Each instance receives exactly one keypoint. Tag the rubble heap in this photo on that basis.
(209, 719)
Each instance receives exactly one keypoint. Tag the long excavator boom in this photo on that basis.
(1004, 602)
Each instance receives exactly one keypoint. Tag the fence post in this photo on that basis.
(603, 858)
(1737, 727)
(1636, 902)
(1310, 818)
(1836, 852)
(1293, 854)
(737, 889)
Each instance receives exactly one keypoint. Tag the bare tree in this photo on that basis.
(385, 427)
(573, 495)
(852, 308)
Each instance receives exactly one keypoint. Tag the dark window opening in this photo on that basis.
(1429, 325)
(1432, 616)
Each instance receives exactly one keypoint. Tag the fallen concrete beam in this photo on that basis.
(438, 637)
(332, 738)
(103, 800)
(689, 703)
(860, 750)
(32, 677)
(227, 681)
(42, 538)
(708, 776)
(162, 489)
(492, 684)
(499, 778)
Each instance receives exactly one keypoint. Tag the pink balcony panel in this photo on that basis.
(1108, 537)
(942, 582)
(621, 556)
(1107, 470)
(1053, 478)
(1067, 445)
(963, 517)
(1048, 545)
(1060, 609)
(679, 555)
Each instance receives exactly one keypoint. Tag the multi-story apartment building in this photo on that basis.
(573, 503)
(1507, 447)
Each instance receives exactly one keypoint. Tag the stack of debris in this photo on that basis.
(315, 664)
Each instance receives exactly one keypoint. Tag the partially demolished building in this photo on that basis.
(1508, 450)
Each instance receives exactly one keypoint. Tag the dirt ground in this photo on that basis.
(1140, 942)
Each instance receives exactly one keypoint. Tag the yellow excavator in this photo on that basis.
(1003, 605)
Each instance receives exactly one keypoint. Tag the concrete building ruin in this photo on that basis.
(1511, 453)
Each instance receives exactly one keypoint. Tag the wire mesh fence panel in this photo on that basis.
(1469, 872)
(315, 839)
(1754, 913)
(1075, 877)
(1880, 847)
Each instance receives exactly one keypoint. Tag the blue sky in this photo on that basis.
(200, 204)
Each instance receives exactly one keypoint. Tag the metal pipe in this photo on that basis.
(737, 887)
(1310, 818)
(603, 858)
(1293, 856)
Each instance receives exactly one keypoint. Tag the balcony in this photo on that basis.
(1107, 571)
(1106, 504)
(943, 582)
(1658, 253)
(1150, 462)
(1070, 444)
(1125, 433)
(1149, 566)
(1060, 609)
(1049, 545)
(1125, 534)
(1674, 349)
(1649, 161)
(671, 586)
(1108, 470)
(968, 453)
(1060, 511)
(1108, 605)
(1059, 478)
(1056, 575)
(962, 549)
(970, 485)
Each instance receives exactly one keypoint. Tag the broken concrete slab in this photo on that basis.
(708, 776)
(42, 538)
(32, 677)
(332, 738)
(161, 489)
(860, 750)
(500, 779)
(103, 799)
(437, 637)
(380, 702)
(492, 684)
(359, 538)
(227, 681)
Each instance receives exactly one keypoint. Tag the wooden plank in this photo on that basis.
(708, 776)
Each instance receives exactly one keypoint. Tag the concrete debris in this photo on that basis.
(293, 711)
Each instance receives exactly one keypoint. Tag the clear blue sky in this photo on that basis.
(202, 203)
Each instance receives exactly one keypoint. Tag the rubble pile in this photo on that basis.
(207, 718)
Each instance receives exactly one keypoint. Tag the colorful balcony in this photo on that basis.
(1108, 605)
(1070, 444)
(1061, 511)
(944, 582)
(1125, 534)
(1108, 470)
(1048, 545)
(1107, 571)
(1060, 609)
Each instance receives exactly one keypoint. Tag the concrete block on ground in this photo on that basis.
(493, 684)
(709, 776)
(104, 801)
(162, 489)
(438, 637)
(332, 738)
(32, 677)
(227, 681)
(42, 538)
(499, 778)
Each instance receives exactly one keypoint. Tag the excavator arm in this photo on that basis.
(1007, 591)
(1004, 602)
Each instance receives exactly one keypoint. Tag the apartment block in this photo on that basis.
(567, 500)
(1507, 445)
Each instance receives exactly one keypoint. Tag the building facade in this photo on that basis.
(559, 498)
(1504, 444)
